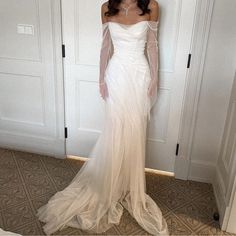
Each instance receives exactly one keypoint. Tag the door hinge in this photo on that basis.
(189, 60)
(66, 132)
(177, 150)
(63, 50)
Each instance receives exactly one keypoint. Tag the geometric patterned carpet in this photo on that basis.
(27, 181)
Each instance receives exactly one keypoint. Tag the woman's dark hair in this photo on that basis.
(114, 4)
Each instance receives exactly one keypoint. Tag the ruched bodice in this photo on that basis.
(129, 40)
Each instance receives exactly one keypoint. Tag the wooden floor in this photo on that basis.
(27, 181)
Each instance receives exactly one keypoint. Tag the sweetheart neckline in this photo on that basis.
(127, 24)
(142, 21)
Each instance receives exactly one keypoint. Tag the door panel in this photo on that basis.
(31, 77)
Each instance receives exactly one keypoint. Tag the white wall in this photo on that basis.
(217, 80)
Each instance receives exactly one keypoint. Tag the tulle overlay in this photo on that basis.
(114, 176)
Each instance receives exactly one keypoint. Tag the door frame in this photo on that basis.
(59, 74)
(201, 31)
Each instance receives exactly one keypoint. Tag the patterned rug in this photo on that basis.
(27, 181)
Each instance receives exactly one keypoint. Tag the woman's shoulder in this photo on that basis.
(104, 9)
(154, 7)
(104, 6)
(153, 4)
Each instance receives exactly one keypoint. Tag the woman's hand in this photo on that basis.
(152, 88)
(103, 90)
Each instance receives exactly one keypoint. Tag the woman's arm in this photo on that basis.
(105, 52)
(152, 47)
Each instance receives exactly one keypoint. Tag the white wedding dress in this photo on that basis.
(114, 175)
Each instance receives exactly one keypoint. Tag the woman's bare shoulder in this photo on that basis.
(153, 4)
(104, 6)
(154, 7)
(104, 9)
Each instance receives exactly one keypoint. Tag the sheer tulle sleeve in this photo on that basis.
(106, 51)
(152, 53)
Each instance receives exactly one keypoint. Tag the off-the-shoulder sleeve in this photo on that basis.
(105, 52)
(152, 48)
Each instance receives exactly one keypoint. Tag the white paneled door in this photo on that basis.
(84, 106)
(31, 77)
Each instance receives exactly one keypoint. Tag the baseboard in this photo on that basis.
(43, 146)
(201, 171)
(196, 170)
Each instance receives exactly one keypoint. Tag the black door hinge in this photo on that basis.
(63, 50)
(66, 132)
(189, 60)
(177, 150)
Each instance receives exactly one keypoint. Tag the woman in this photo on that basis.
(114, 176)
